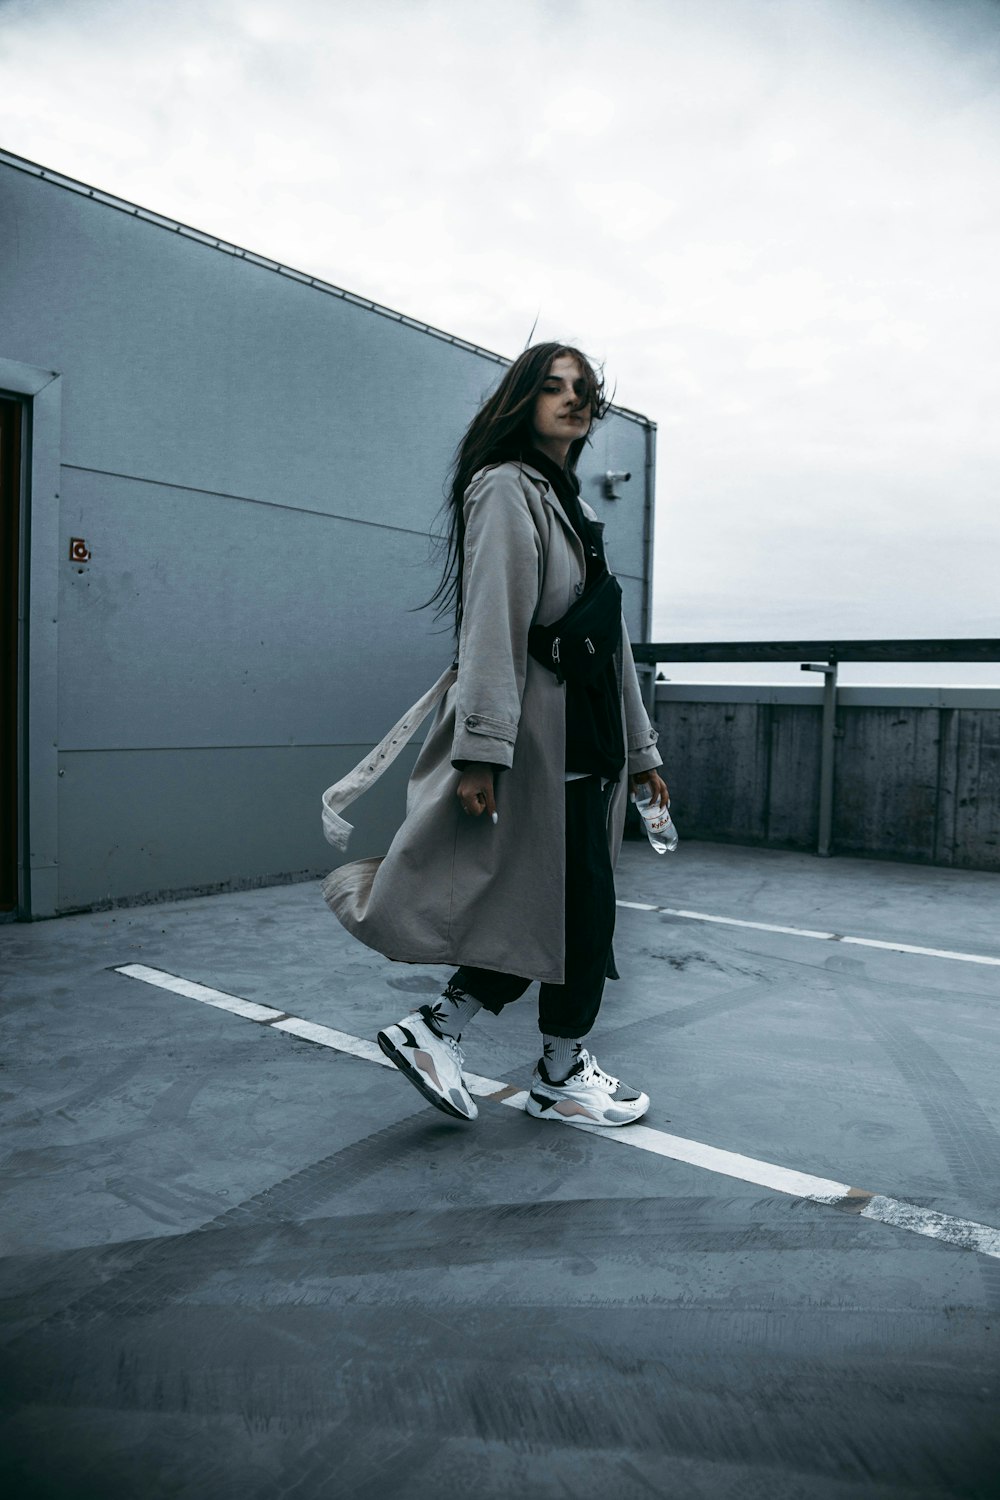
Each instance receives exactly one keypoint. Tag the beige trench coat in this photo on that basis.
(455, 889)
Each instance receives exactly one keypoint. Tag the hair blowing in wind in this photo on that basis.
(500, 431)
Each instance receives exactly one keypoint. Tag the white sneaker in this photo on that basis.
(588, 1095)
(432, 1063)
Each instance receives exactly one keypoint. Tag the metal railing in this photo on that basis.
(831, 653)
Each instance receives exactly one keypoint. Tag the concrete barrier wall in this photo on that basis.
(917, 769)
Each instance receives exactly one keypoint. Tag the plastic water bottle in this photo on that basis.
(656, 820)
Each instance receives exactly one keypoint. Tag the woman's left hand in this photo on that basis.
(649, 781)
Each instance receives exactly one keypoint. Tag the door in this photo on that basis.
(11, 421)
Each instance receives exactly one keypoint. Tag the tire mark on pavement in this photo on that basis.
(272, 1252)
(691, 1013)
(696, 1011)
(576, 1381)
(96, 1092)
(965, 1133)
(295, 1196)
(966, 1136)
(365, 1471)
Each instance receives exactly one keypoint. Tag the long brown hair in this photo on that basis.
(501, 430)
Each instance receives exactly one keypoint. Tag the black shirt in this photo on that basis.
(593, 711)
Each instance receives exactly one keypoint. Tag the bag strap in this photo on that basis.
(605, 596)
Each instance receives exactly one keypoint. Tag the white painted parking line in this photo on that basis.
(808, 932)
(964, 1234)
(729, 1163)
(326, 1036)
(359, 1046)
(235, 1003)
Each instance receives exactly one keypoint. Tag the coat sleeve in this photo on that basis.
(501, 588)
(641, 737)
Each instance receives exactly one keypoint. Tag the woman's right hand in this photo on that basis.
(475, 790)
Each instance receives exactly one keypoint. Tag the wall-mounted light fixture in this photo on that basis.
(611, 479)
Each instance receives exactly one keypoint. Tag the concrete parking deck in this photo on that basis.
(240, 1262)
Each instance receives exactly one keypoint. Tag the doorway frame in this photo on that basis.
(38, 647)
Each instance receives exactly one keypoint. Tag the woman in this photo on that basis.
(504, 864)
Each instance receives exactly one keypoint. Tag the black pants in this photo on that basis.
(569, 1009)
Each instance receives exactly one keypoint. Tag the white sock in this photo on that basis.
(561, 1055)
(453, 1011)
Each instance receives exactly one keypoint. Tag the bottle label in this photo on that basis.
(657, 820)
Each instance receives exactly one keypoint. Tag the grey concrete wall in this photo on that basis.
(917, 772)
(256, 465)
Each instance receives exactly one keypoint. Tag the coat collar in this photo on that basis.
(550, 496)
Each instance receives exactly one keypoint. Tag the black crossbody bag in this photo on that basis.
(580, 645)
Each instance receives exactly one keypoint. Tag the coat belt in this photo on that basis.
(349, 788)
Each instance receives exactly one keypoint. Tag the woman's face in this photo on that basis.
(558, 419)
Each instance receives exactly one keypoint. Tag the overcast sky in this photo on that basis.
(776, 223)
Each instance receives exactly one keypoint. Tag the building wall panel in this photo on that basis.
(202, 620)
(147, 824)
(619, 446)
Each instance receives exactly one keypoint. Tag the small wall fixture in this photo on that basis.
(612, 478)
